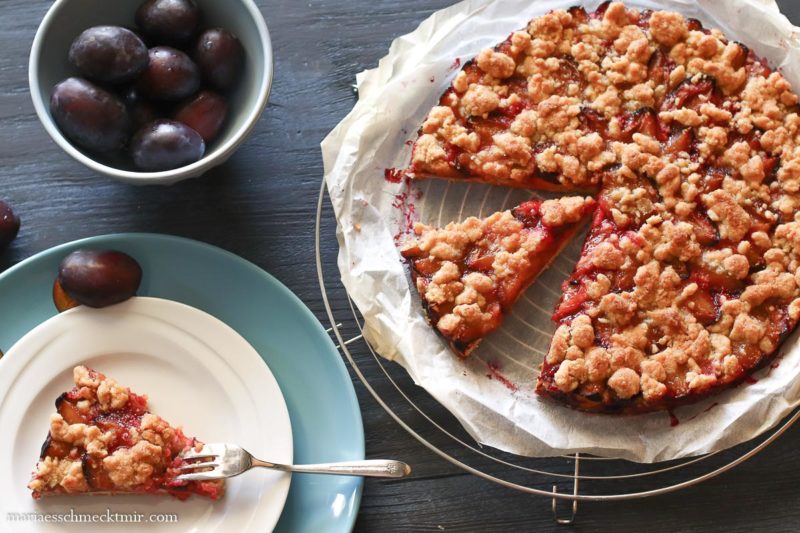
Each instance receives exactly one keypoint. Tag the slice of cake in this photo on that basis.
(469, 274)
(103, 439)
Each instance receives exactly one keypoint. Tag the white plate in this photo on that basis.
(197, 372)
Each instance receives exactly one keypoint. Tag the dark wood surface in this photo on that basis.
(261, 205)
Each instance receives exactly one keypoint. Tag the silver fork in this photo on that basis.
(228, 460)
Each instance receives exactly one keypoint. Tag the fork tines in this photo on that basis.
(202, 470)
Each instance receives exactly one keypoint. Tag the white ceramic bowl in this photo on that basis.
(66, 19)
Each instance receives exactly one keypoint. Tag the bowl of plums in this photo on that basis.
(151, 91)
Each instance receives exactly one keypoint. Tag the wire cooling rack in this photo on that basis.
(569, 478)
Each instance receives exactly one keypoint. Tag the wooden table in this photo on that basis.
(261, 205)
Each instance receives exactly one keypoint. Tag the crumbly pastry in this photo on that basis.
(688, 280)
(469, 274)
(103, 439)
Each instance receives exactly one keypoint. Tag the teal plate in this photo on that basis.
(326, 420)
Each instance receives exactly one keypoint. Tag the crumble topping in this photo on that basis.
(496, 64)
(479, 100)
(429, 153)
(732, 220)
(667, 28)
(564, 210)
(63, 473)
(83, 377)
(90, 438)
(625, 383)
(129, 467)
(156, 430)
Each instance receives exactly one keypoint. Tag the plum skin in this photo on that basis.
(205, 114)
(90, 116)
(9, 225)
(165, 145)
(170, 75)
(169, 21)
(220, 56)
(108, 54)
(140, 110)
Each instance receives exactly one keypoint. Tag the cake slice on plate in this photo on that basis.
(470, 273)
(103, 439)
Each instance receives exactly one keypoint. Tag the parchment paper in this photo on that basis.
(491, 393)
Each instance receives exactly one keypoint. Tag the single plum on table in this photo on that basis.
(9, 225)
(97, 278)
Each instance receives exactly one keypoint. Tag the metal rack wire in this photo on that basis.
(595, 479)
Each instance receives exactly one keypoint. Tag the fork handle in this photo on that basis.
(367, 468)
